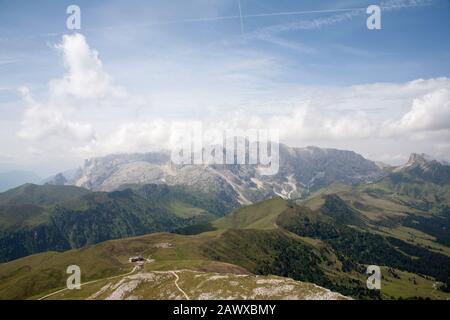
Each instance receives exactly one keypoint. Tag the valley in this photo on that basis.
(198, 246)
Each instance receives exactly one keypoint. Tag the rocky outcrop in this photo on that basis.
(302, 170)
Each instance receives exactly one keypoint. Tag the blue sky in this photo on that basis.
(189, 60)
(413, 42)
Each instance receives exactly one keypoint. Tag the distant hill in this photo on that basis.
(33, 194)
(37, 218)
(15, 178)
(60, 178)
(325, 241)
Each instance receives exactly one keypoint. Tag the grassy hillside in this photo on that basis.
(332, 237)
(38, 275)
(261, 215)
(40, 195)
(327, 240)
(41, 218)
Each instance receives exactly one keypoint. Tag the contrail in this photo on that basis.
(291, 13)
(240, 15)
(259, 15)
(387, 5)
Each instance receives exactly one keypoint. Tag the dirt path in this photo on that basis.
(177, 278)
(176, 284)
(90, 282)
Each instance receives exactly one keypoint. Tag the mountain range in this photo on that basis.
(322, 219)
(302, 171)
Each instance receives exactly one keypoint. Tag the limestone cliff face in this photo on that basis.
(424, 167)
(302, 170)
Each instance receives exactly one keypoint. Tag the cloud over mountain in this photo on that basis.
(93, 116)
(429, 113)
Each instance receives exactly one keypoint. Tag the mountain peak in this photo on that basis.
(427, 168)
(416, 158)
(423, 159)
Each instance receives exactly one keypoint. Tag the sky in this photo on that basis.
(138, 70)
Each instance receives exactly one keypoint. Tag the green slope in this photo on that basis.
(261, 215)
(41, 218)
(328, 240)
(40, 195)
(338, 235)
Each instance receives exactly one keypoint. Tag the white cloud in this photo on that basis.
(86, 114)
(429, 113)
(85, 84)
(50, 121)
(85, 77)
(329, 116)
(131, 137)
